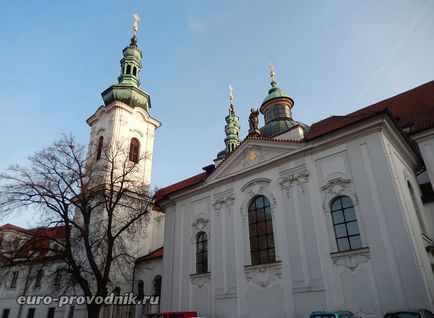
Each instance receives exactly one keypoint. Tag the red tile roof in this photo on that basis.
(413, 109)
(48, 232)
(37, 245)
(155, 254)
(180, 185)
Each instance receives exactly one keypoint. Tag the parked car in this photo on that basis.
(181, 314)
(332, 314)
(423, 313)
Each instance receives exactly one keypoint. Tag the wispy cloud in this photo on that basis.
(392, 53)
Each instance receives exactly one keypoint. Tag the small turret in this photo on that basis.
(232, 129)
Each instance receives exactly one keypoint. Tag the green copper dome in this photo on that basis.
(275, 92)
(128, 89)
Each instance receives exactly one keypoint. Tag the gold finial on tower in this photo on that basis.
(272, 72)
(136, 22)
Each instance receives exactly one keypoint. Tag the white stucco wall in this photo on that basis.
(369, 164)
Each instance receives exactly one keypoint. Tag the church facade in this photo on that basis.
(294, 219)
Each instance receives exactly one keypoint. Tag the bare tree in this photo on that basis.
(96, 196)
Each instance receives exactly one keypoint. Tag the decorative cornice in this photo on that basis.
(295, 178)
(263, 274)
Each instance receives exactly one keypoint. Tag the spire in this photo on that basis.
(128, 91)
(232, 128)
(131, 62)
(272, 74)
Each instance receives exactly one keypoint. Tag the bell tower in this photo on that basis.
(124, 123)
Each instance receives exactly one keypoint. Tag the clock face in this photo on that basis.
(251, 155)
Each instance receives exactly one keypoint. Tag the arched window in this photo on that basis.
(134, 71)
(201, 253)
(134, 150)
(345, 224)
(262, 248)
(128, 69)
(416, 207)
(140, 290)
(157, 285)
(99, 149)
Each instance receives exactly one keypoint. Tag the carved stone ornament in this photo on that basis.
(200, 280)
(225, 200)
(351, 259)
(200, 224)
(297, 178)
(337, 187)
(252, 189)
(263, 275)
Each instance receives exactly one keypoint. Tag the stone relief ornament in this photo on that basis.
(351, 260)
(200, 280)
(263, 275)
(296, 178)
(252, 189)
(225, 200)
(337, 187)
(200, 224)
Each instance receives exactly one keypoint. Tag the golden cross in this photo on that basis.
(136, 22)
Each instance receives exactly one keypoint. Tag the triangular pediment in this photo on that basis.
(252, 154)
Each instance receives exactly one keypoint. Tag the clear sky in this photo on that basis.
(331, 57)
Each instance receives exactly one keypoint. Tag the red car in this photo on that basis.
(181, 314)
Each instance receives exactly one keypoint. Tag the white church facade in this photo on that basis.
(298, 219)
(289, 220)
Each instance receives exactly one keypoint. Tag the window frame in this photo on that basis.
(14, 280)
(134, 151)
(202, 242)
(342, 210)
(268, 231)
(38, 279)
(99, 147)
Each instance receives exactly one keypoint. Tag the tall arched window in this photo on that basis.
(99, 149)
(140, 290)
(134, 71)
(262, 248)
(416, 208)
(201, 253)
(128, 69)
(157, 285)
(345, 224)
(134, 150)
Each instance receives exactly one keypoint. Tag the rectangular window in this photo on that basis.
(5, 313)
(50, 313)
(38, 280)
(14, 279)
(57, 277)
(71, 312)
(31, 313)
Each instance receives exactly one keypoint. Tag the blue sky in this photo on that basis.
(331, 57)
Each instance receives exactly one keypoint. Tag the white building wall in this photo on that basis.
(388, 273)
